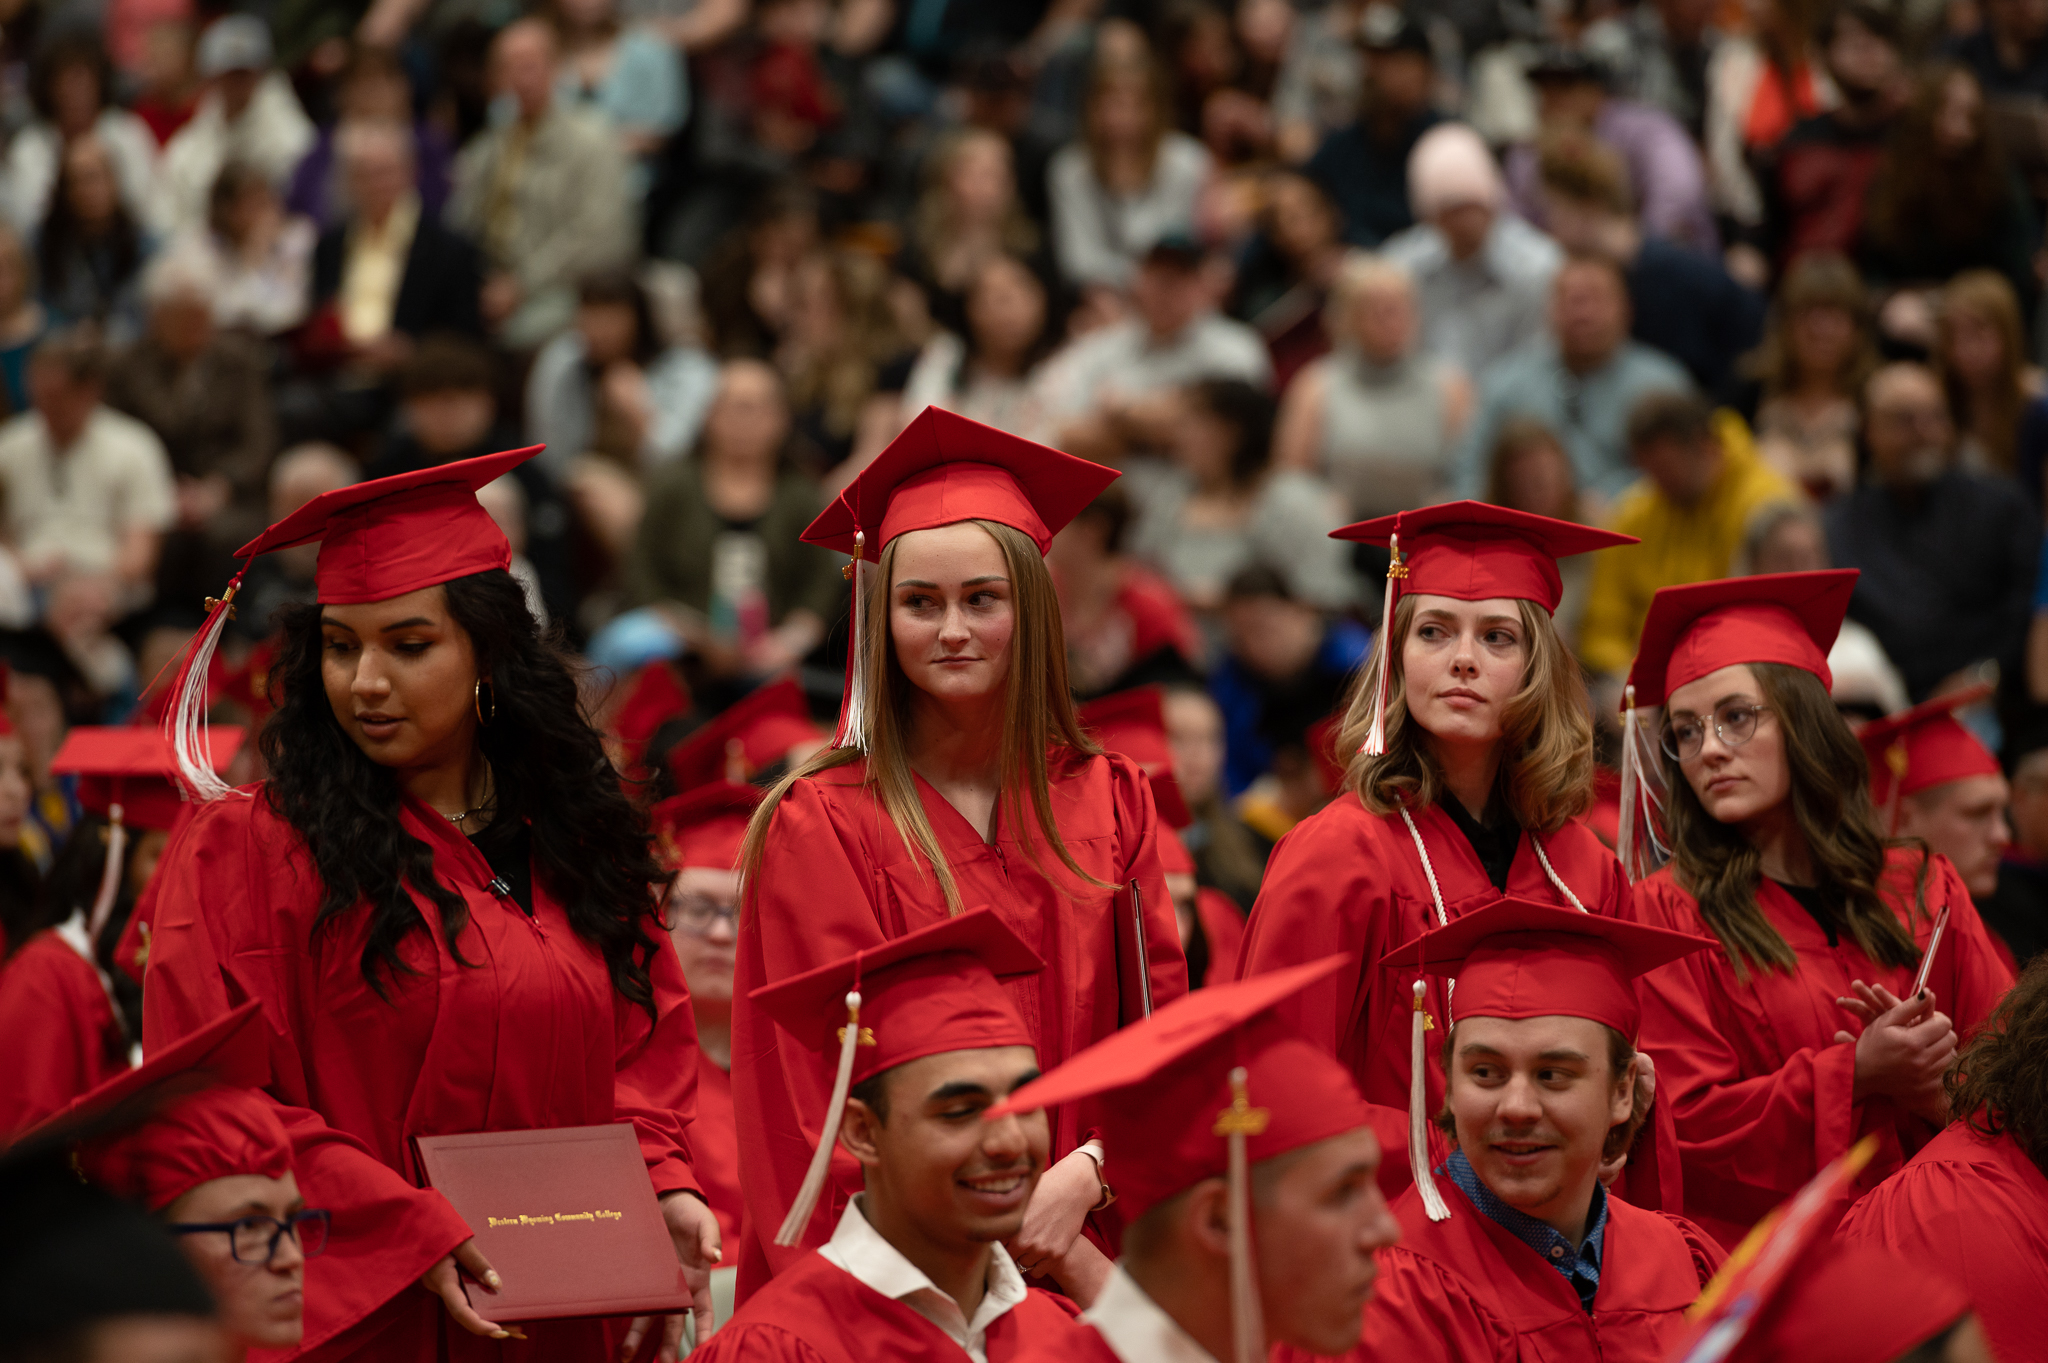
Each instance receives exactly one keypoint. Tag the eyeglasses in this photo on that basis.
(1734, 724)
(254, 1239)
(696, 914)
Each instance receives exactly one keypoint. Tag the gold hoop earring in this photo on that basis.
(477, 699)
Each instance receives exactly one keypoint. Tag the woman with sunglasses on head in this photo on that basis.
(1804, 1033)
(447, 907)
(1468, 750)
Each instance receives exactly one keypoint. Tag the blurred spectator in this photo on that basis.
(1482, 274)
(609, 384)
(1683, 303)
(1980, 353)
(85, 488)
(505, 501)
(1663, 53)
(1660, 161)
(1815, 182)
(995, 371)
(283, 578)
(1284, 276)
(1286, 669)
(718, 554)
(23, 319)
(2018, 909)
(1582, 381)
(1228, 855)
(1811, 369)
(1759, 84)
(1701, 489)
(1788, 537)
(372, 89)
(1220, 505)
(1943, 200)
(261, 257)
(89, 251)
(543, 192)
(167, 77)
(1530, 471)
(842, 356)
(71, 91)
(748, 278)
(248, 114)
(1948, 556)
(1363, 166)
(1375, 418)
(1132, 179)
(626, 72)
(1123, 624)
(2008, 51)
(204, 392)
(968, 213)
(1317, 89)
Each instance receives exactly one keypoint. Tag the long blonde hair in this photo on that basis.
(1546, 772)
(1038, 713)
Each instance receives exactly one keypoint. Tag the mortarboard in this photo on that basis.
(1174, 857)
(750, 735)
(1924, 747)
(925, 993)
(941, 470)
(378, 540)
(1185, 1079)
(1133, 723)
(1518, 958)
(704, 826)
(1470, 551)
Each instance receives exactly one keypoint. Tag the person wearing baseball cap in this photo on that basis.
(960, 774)
(1809, 1027)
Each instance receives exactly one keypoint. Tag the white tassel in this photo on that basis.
(185, 723)
(828, 1136)
(1247, 1320)
(853, 725)
(110, 876)
(1376, 736)
(1418, 1098)
(1638, 844)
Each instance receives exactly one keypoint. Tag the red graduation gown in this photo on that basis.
(1760, 1089)
(817, 1312)
(1347, 880)
(715, 1154)
(531, 1034)
(1976, 1208)
(836, 877)
(63, 1036)
(1466, 1289)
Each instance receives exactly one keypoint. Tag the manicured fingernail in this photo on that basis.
(492, 1280)
(501, 1334)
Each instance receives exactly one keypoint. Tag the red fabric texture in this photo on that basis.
(715, 1155)
(837, 877)
(1474, 551)
(1761, 1091)
(135, 769)
(1852, 1304)
(754, 732)
(50, 992)
(530, 1034)
(1927, 746)
(1223, 925)
(1702, 627)
(704, 827)
(219, 1133)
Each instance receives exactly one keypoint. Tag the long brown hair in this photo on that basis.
(1924, 197)
(1999, 1084)
(1988, 296)
(1719, 867)
(1038, 713)
(1546, 771)
(1817, 279)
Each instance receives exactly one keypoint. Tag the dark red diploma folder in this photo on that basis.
(566, 1216)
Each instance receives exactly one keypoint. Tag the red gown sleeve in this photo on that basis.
(1419, 1313)
(385, 1232)
(1138, 830)
(656, 1084)
(60, 1025)
(749, 1343)
(1976, 972)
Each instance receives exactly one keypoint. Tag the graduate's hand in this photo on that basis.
(1058, 1206)
(444, 1280)
(1082, 1271)
(1903, 1053)
(694, 1230)
(1867, 1002)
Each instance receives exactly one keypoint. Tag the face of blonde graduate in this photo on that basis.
(1736, 783)
(952, 613)
(1461, 663)
(261, 1305)
(401, 676)
(1319, 1219)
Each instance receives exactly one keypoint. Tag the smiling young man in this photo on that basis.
(1535, 1261)
(928, 1042)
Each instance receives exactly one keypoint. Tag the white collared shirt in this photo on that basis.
(860, 1249)
(1134, 1327)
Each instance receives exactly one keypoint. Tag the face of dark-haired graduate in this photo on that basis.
(937, 1174)
(401, 677)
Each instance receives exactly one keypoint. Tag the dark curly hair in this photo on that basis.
(1999, 1083)
(590, 847)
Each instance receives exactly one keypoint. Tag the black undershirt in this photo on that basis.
(1815, 901)
(1493, 842)
(508, 846)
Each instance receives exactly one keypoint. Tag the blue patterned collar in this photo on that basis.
(1581, 1267)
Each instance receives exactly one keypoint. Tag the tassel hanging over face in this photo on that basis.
(1376, 737)
(1418, 1098)
(1247, 1319)
(792, 1230)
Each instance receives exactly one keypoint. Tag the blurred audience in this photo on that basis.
(1125, 625)
(1130, 181)
(71, 89)
(1810, 372)
(90, 249)
(993, 370)
(1981, 354)
(1363, 166)
(249, 114)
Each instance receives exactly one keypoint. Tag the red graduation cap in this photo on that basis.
(705, 826)
(654, 695)
(134, 771)
(753, 733)
(925, 993)
(1133, 723)
(1174, 857)
(1702, 627)
(1469, 551)
(1924, 747)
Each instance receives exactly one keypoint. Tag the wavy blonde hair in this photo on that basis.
(1038, 715)
(1546, 771)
